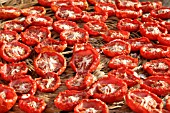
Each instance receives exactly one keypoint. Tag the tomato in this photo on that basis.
(62, 25)
(38, 20)
(80, 81)
(24, 86)
(34, 35)
(73, 36)
(14, 51)
(123, 61)
(128, 5)
(159, 85)
(8, 71)
(128, 24)
(115, 34)
(7, 36)
(9, 12)
(95, 27)
(58, 3)
(32, 105)
(163, 13)
(158, 67)
(86, 60)
(8, 98)
(93, 2)
(15, 25)
(116, 47)
(143, 101)
(68, 13)
(154, 51)
(129, 76)
(68, 99)
(110, 8)
(168, 104)
(50, 44)
(49, 62)
(164, 39)
(148, 18)
(128, 13)
(49, 83)
(82, 46)
(91, 106)
(166, 24)
(152, 30)
(108, 89)
(33, 10)
(94, 16)
(82, 4)
(46, 3)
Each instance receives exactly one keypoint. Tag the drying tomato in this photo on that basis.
(164, 39)
(49, 62)
(127, 24)
(24, 86)
(38, 20)
(91, 106)
(46, 3)
(80, 81)
(116, 47)
(32, 105)
(50, 44)
(86, 60)
(159, 85)
(62, 25)
(68, 99)
(9, 12)
(168, 104)
(49, 83)
(108, 89)
(95, 27)
(129, 76)
(143, 101)
(15, 25)
(8, 98)
(94, 16)
(137, 43)
(68, 13)
(58, 3)
(155, 51)
(158, 67)
(152, 30)
(7, 36)
(73, 36)
(33, 10)
(123, 61)
(93, 2)
(82, 4)
(14, 51)
(8, 71)
(106, 7)
(115, 34)
(128, 5)
(162, 13)
(82, 46)
(166, 24)
(34, 35)
(148, 18)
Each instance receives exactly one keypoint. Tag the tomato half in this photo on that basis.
(163, 13)
(33, 10)
(166, 24)
(82, 4)
(164, 39)
(58, 3)
(82, 46)
(46, 3)
(128, 4)
(93, 2)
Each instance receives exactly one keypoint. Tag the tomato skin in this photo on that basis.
(107, 48)
(64, 102)
(33, 10)
(128, 24)
(58, 3)
(10, 98)
(91, 28)
(48, 76)
(166, 24)
(164, 39)
(8, 71)
(93, 2)
(38, 63)
(108, 97)
(148, 18)
(34, 35)
(24, 104)
(85, 83)
(46, 3)
(162, 13)
(5, 48)
(82, 4)
(58, 25)
(82, 46)
(50, 44)
(128, 5)
(91, 103)
(70, 36)
(137, 107)
(5, 12)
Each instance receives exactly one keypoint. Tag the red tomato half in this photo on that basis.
(46, 3)
(126, 4)
(8, 98)
(93, 2)
(143, 101)
(166, 24)
(32, 105)
(58, 3)
(164, 39)
(108, 89)
(91, 106)
(33, 10)
(14, 51)
(163, 13)
(82, 4)
(82, 46)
